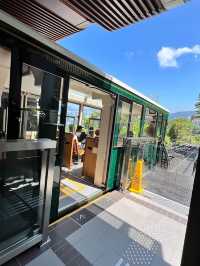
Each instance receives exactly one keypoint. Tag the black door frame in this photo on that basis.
(191, 253)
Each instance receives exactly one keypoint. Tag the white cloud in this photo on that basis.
(129, 54)
(167, 56)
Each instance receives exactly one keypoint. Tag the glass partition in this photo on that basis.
(150, 123)
(72, 117)
(41, 95)
(136, 116)
(159, 125)
(123, 124)
(91, 118)
(19, 195)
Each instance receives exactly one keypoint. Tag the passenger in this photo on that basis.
(81, 135)
(91, 132)
(150, 130)
(130, 134)
(96, 139)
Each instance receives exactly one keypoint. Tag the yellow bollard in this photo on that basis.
(136, 181)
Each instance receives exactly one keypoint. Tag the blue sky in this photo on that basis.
(131, 55)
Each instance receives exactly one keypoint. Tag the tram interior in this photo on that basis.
(86, 145)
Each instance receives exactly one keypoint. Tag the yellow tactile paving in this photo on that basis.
(79, 185)
(67, 191)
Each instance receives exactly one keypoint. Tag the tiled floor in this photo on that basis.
(115, 230)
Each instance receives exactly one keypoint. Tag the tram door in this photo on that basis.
(121, 131)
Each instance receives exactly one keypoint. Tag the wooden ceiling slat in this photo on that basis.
(136, 8)
(32, 16)
(53, 16)
(98, 11)
(41, 29)
(143, 7)
(39, 18)
(114, 21)
(151, 6)
(93, 16)
(114, 14)
(101, 13)
(39, 14)
(130, 16)
(134, 14)
(114, 10)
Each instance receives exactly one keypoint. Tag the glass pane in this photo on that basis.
(94, 123)
(150, 123)
(123, 121)
(135, 120)
(72, 117)
(19, 196)
(71, 124)
(73, 109)
(89, 116)
(159, 125)
(40, 97)
(5, 62)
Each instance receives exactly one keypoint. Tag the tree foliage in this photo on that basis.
(180, 131)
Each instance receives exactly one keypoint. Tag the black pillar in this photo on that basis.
(191, 253)
(14, 103)
(49, 103)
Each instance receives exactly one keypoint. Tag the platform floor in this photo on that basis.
(116, 229)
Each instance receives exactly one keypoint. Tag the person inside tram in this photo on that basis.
(150, 130)
(81, 135)
(96, 138)
(91, 132)
(130, 134)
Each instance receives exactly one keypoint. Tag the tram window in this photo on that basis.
(5, 63)
(150, 123)
(72, 117)
(41, 103)
(91, 118)
(123, 121)
(159, 125)
(135, 119)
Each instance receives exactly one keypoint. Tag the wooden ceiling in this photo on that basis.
(59, 18)
(114, 14)
(39, 18)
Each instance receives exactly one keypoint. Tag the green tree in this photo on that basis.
(180, 130)
(173, 133)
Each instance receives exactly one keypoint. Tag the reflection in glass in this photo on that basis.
(136, 115)
(91, 118)
(150, 123)
(72, 117)
(123, 121)
(19, 196)
(5, 63)
(40, 103)
(159, 125)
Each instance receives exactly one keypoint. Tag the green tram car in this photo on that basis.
(47, 92)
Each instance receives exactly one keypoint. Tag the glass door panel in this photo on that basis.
(19, 196)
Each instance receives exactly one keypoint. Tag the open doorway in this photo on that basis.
(88, 127)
